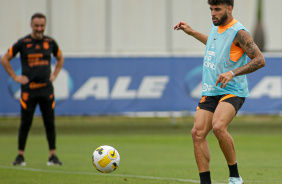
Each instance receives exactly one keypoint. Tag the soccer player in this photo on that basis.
(36, 83)
(224, 84)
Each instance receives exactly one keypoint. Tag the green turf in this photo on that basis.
(152, 150)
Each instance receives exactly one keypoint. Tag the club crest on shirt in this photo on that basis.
(46, 45)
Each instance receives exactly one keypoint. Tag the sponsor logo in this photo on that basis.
(209, 65)
(36, 60)
(207, 87)
(34, 85)
(211, 53)
(208, 60)
(151, 87)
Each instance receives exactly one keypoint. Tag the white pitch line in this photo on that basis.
(120, 175)
(100, 174)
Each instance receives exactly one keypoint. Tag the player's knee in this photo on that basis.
(218, 129)
(197, 134)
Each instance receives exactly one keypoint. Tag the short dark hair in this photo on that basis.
(38, 15)
(217, 2)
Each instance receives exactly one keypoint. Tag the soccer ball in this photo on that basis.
(105, 159)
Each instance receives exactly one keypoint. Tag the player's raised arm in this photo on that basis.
(188, 30)
(244, 40)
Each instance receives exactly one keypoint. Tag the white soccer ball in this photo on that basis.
(105, 159)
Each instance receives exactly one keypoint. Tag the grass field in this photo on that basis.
(152, 150)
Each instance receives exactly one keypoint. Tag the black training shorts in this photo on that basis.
(210, 103)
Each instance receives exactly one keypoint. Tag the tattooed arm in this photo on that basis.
(244, 40)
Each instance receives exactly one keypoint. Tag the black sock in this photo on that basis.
(205, 177)
(233, 170)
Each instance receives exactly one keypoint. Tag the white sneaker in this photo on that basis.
(235, 180)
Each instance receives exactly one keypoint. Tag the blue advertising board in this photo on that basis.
(104, 86)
